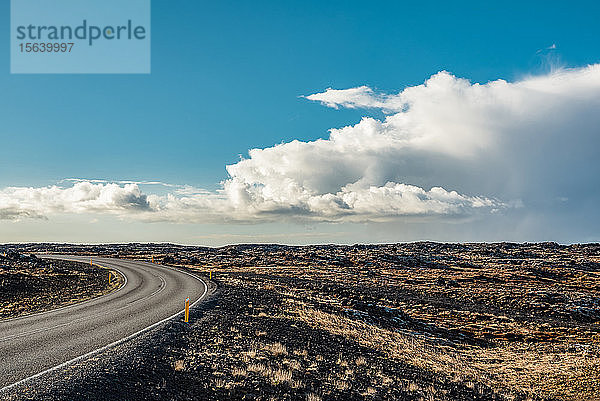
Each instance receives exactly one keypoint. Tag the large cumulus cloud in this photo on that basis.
(445, 149)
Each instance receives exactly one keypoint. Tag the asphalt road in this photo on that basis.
(32, 345)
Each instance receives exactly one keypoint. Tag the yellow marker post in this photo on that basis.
(91, 264)
(210, 275)
(187, 310)
(109, 276)
(152, 258)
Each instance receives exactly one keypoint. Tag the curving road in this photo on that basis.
(32, 345)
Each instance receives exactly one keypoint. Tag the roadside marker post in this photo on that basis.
(109, 276)
(152, 258)
(187, 310)
(210, 275)
(91, 264)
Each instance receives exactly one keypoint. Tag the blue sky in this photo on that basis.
(228, 77)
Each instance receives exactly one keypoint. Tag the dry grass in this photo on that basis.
(276, 349)
(369, 392)
(179, 365)
(219, 382)
(258, 368)
(312, 397)
(280, 376)
(541, 367)
(534, 369)
(276, 375)
(294, 364)
(340, 384)
(341, 361)
(303, 353)
(397, 345)
(252, 352)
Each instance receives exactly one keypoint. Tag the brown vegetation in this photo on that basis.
(516, 320)
(29, 284)
(417, 321)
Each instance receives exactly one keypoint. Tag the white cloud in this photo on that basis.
(82, 197)
(360, 97)
(447, 148)
(239, 203)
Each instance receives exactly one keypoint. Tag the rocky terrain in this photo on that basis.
(29, 284)
(422, 321)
